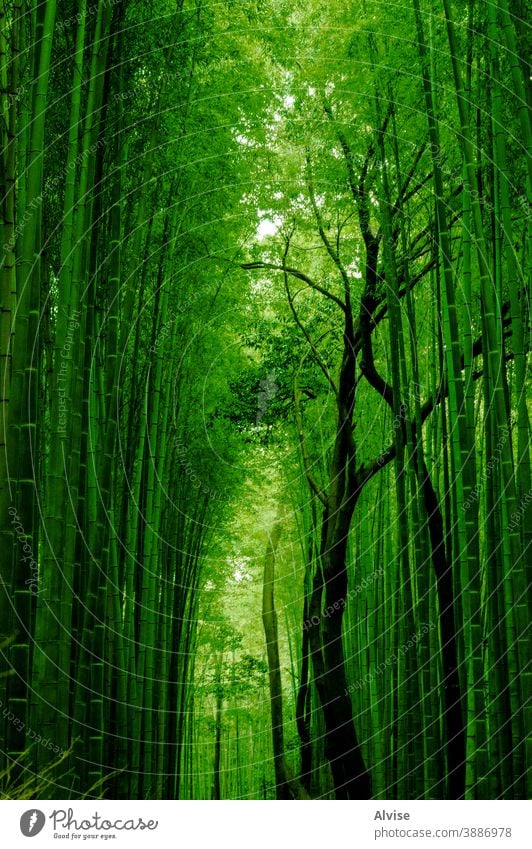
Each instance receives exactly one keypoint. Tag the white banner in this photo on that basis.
(263, 825)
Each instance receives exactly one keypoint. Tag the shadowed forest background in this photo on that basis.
(265, 492)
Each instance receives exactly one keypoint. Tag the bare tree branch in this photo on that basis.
(299, 275)
(303, 329)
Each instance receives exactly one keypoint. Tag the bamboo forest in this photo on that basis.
(265, 485)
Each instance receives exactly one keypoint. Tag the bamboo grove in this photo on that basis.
(264, 437)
